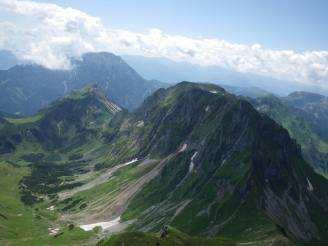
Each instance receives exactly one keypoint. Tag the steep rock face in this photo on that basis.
(302, 124)
(226, 165)
(24, 89)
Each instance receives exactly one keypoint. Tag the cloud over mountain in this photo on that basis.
(53, 33)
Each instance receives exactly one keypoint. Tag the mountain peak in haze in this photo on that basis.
(24, 89)
(7, 59)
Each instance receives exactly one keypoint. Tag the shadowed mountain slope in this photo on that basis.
(304, 116)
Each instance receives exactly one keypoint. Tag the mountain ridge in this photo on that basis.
(192, 156)
(300, 116)
(266, 176)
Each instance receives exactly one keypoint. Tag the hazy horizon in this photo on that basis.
(232, 35)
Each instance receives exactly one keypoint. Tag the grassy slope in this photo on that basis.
(260, 226)
(178, 238)
(24, 225)
(32, 226)
(21, 223)
(174, 237)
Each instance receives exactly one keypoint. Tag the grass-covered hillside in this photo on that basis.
(173, 237)
(44, 154)
(192, 157)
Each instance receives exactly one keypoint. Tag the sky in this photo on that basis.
(277, 24)
(284, 39)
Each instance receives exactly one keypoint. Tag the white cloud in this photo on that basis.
(55, 33)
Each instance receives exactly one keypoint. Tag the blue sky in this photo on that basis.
(276, 24)
(286, 39)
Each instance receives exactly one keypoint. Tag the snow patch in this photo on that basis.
(192, 164)
(310, 186)
(183, 148)
(140, 123)
(104, 225)
(53, 231)
(51, 208)
(129, 162)
(214, 92)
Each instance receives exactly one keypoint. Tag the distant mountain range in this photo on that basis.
(24, 89)
(252, 92)
(173, 72)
